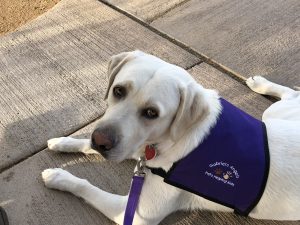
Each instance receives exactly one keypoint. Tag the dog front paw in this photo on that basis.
(257, 83)
(58, 179)
(61, 144)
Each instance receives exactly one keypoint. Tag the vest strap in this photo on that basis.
(158, 171)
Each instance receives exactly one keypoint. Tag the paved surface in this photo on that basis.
(52, 82)
(249, 37)
(148, 10)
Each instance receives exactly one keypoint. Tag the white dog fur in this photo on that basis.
(187, 112)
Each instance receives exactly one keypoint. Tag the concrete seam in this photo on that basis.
(192, 66)
(201, 56)
(45, 147)
(165, 12)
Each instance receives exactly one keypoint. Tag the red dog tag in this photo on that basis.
(150, 152)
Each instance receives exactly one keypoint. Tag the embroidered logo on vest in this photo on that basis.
(223, 172)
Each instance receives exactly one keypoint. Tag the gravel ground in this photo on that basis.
(14, 13)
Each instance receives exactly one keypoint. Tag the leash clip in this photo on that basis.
(141, 164)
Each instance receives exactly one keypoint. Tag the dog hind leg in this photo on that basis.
(69, 144)
(265, 87)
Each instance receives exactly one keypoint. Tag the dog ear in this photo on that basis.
(192, 109)
(114, 66)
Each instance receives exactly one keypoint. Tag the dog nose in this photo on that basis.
(102, 141)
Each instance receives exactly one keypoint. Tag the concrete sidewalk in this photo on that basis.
(52, 83)
(247, 37)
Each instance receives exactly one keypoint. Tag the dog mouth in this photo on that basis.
(104, 148)
(111, 146)
(105, 151)
(105, 140)
(111, 154)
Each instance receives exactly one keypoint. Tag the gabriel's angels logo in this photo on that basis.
(222, 171)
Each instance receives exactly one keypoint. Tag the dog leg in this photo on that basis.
(265, 87)
(111, 205)
(68, 144)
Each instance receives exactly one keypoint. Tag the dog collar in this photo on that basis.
(150, 151)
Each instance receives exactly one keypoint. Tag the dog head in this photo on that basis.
(149, 101)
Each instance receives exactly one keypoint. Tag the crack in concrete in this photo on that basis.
(203, 58)
(2, 170)
(192, 66)
(236, 76)
(150, 20)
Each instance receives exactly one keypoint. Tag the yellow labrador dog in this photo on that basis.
(153, 102)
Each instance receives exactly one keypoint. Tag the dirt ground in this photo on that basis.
(14, 13)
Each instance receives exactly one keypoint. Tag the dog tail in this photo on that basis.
(297, 88)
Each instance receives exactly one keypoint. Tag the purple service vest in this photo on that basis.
(230, 166)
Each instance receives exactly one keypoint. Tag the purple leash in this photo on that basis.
(135, 191)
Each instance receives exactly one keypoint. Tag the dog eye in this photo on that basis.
(150, 113)
(119, 92)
